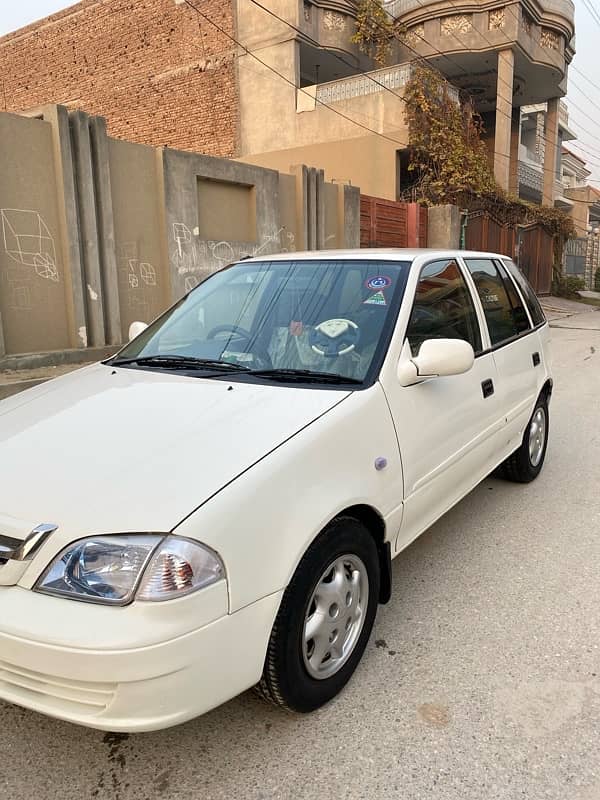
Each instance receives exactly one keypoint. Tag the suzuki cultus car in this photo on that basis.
(217, 506)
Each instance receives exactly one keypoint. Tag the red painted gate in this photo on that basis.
(388, 223)
(532, 247)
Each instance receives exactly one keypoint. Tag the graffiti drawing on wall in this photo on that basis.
(138, 278)
(28, 241)
(30, 248)
(195, 258)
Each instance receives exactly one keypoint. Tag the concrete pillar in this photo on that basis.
(551, 139)
(300, 171)
(320, 208)
(88, 227)
(58, 117)
(106, 229)
(311, 208)
(443, 227)
(504, 96)
(2, 347)
(515, 139)
(348, 217)
(412, 224)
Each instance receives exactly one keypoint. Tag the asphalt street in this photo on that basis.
(481, 680)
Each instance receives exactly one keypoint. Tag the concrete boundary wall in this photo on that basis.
(97, 232)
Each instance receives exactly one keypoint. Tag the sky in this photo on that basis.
(583, 96)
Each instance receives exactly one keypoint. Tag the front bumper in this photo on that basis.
(135, 688)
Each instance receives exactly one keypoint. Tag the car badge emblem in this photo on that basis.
(16, 550)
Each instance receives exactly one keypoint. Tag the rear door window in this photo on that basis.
(533, 304)
(504, 312)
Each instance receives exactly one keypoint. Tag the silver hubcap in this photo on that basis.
(335, 616)
(537, 435)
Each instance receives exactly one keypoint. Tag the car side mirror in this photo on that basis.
(437, 357)
(136, 328)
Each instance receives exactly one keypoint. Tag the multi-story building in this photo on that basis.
(279, 82)
(532, 152)
(572, 193)
(505, 55)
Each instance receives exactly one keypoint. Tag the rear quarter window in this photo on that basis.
(530, 297)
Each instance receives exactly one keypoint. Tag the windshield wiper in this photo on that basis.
(179, 362)
(305, 375)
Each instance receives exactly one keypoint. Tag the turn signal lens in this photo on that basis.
(178, 567)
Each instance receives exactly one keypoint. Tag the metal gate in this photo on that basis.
(575, 253)
(532, 247)
(536, 256)
(485, 233)
(387, 223)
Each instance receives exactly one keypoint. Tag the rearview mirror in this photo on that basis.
(136, 328)
(436, 357)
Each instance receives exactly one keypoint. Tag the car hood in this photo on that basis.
(111, 449)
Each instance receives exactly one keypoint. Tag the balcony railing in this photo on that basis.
(379, 80)
(527, 154)
(397, 8)
(530, 176)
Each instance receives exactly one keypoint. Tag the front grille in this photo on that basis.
(35, 689)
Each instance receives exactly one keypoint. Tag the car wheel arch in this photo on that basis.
(546, 390)
(372, 519)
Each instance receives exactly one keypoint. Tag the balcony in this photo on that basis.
(531, 181)
(530, 177)
(371, 83)
(399, 8)
(462, 41)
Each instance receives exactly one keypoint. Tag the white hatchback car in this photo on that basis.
(217, 506)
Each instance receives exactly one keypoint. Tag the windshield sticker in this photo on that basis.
(377, 299)
(378, 282)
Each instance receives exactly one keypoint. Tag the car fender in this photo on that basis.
(262, 523)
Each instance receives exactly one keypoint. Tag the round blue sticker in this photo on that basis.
(379, 282)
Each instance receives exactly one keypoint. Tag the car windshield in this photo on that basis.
(279, 320)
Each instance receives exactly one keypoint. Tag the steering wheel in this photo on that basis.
(334, 337)
(238, 335)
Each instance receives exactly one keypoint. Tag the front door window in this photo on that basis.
(443, 307)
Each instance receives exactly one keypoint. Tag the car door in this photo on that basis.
(446, 426)
(513, 343)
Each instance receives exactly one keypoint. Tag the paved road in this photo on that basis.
(481, 682)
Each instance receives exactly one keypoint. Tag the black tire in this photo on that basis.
(519, 466)
(286, 680)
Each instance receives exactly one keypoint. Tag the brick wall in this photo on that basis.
(157, 71)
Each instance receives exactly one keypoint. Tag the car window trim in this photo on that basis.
(505, 342)
(486, 342)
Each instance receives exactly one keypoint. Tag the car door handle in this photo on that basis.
(487, 387)
(536, 359)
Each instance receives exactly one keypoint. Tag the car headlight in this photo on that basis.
(115, 569)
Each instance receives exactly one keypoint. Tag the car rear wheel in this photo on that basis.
(526, 463)
(325, 619)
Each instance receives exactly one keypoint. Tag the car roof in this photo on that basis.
(370, 253)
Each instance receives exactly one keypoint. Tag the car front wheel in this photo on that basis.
(526, 463)
(325, 619)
